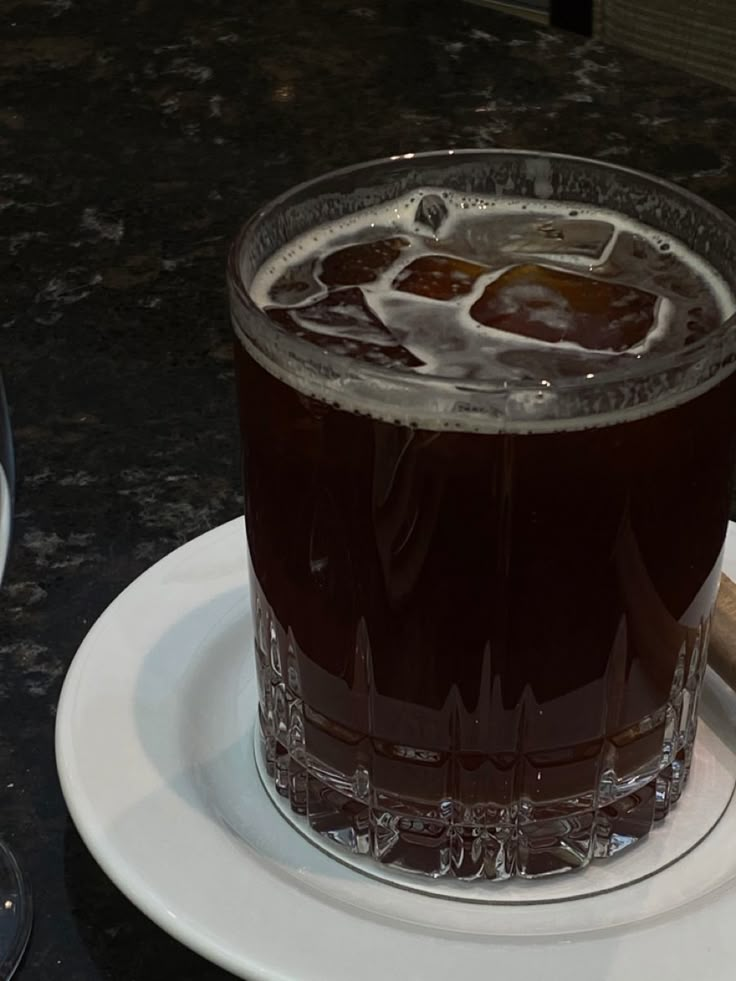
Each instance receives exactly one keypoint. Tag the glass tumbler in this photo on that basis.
(481, 608)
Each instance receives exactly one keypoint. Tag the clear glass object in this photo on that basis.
(16, 912)
(482, 607)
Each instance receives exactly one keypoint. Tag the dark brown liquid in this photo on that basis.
(480, 653)
(475, 617)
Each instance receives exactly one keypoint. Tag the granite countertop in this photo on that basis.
(135, 138)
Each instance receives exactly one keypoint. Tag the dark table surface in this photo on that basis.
(135, 137)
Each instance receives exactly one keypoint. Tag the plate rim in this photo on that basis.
(132, 881)
(90, 830)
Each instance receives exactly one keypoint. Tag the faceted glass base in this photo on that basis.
(432, 811)
(528, 845)
(482, 841)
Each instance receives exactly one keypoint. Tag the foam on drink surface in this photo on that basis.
(504, 290)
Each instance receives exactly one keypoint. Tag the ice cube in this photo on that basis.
(585, 236)
(496, 239)
(362, 263)
(342, 322)
(551, 305)
(295, 285)
(564, 236)
(486, 236)
(430, 215)
(628, 255)
(633, 256)
(439, 277)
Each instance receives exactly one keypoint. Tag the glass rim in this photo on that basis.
(346, 366)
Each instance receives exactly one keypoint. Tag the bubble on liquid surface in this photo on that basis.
(432, 212)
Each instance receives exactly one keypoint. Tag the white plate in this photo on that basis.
(153, 741)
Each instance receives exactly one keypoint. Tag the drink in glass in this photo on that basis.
(486, 405)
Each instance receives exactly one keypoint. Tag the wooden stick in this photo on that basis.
(722, 651)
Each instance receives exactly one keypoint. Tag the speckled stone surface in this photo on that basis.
(134, 138)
